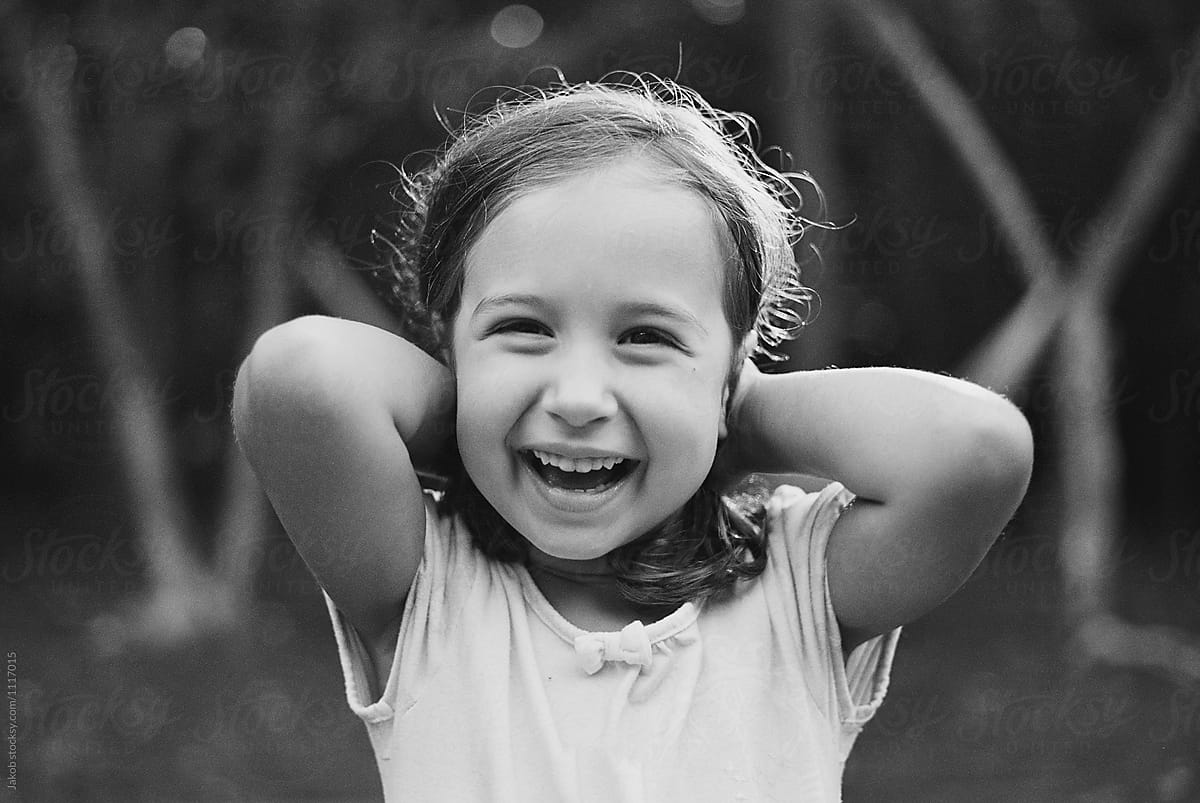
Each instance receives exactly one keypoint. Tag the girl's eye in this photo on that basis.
(648, 337)
(519, 326)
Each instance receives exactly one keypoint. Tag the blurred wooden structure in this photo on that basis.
(1065, 311)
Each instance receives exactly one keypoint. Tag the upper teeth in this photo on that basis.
(576, 463)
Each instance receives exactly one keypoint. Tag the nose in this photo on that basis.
(579, 392)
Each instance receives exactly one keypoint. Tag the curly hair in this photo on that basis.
(538, 137)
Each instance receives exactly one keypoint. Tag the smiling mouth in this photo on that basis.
(580, 475)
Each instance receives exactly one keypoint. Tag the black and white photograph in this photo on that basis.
(634, 401)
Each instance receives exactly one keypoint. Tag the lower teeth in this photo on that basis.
(577, 481)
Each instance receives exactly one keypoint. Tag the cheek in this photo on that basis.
(489, 402)
(684, 417)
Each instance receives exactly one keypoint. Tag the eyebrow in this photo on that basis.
(635, 308)
(507, 300)
(654, 309)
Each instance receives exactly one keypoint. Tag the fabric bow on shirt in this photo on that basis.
(631, 645)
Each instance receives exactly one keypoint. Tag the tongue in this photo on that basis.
(576, 480)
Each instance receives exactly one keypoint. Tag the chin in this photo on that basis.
(582, 550)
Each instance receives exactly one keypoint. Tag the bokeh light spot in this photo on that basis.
(720, 12)
(185, 47)
(517, 26)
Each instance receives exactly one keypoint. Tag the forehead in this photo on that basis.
(629, 228)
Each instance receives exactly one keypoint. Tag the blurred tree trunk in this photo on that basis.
(798, 36)
(142, 433)
(278, 202)
(184, 594)
(1069, 306)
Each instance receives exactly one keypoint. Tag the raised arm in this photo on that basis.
(938, 465)
(332, 415)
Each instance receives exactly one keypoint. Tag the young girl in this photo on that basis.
(582, 616)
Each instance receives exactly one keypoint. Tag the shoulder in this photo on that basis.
(794, 510)
(799, 525)
(450, 548)
(449, 567)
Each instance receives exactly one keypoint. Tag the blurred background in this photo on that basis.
(1022, 181)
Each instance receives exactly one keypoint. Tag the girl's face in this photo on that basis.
(592, 354)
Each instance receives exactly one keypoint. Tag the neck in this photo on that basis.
(595, 571)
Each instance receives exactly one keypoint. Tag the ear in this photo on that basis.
(747, 348)
(446, 348)
(723, 421)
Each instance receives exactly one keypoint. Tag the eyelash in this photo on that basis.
(659, 335)
(518, 326)
(523, 326)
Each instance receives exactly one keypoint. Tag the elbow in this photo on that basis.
(239, 409)
(996, 460)
(281, 374)
(292, 342)
(1010, 439)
